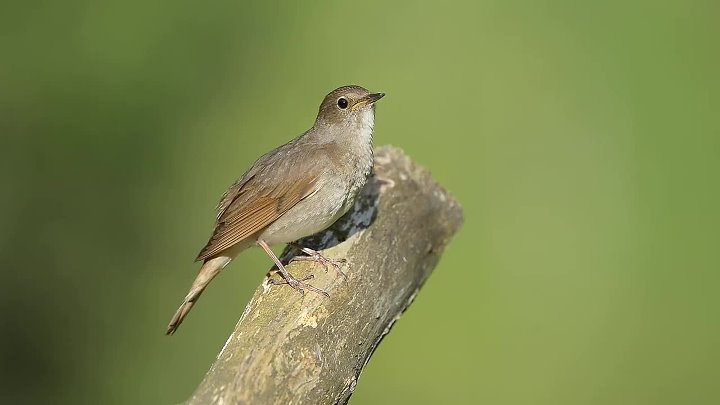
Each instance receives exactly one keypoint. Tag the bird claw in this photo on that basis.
(299, 285)
(317, 257)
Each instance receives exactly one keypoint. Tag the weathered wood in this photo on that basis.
(290, 348)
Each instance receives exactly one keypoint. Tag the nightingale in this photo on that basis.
(293, 191)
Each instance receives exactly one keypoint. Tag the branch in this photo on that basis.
(289, 348)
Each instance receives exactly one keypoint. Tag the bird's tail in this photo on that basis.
(208, 271)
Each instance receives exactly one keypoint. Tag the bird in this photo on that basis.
(295, 190)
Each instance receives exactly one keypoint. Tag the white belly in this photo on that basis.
(309, 216)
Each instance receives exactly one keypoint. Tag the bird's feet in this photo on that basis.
(317, 257)
(298, 284)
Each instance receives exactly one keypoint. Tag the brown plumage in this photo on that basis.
(293, 191)
(251, 207)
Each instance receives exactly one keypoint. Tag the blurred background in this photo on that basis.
(582, 139)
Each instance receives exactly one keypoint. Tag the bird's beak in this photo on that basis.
(368, 100)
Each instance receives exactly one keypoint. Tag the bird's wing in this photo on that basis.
(260, 197)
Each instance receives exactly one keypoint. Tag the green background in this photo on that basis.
(582, 139)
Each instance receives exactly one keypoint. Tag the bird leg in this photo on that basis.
(298, 284)
(317, 257)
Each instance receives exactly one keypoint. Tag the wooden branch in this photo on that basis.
(290, 348)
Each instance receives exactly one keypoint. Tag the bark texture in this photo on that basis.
(289, 348)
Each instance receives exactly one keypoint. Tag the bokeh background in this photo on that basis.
(582, 139)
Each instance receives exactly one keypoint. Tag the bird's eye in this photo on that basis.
(342, 103)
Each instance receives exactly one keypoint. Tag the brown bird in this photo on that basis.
(293, 191)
